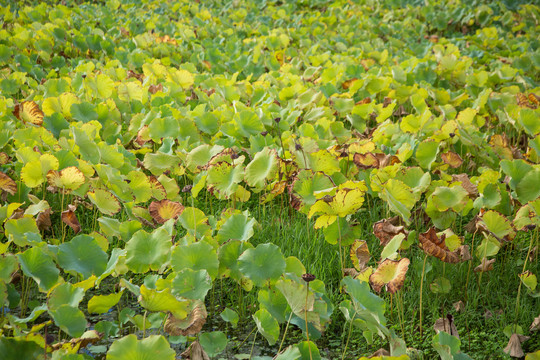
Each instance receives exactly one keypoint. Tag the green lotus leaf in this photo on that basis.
(298, 298)
(290, 353)
(497, 225)
(528, 118)
(426, 153)
(38, 265)
(529, 280)
(82, 255)
(489, 247)
(237, 227)
(87, 147)
(201, 155)
(196, 256)
(100, 86)
(228, 255)
(100, 304)
(148, 251)
(489, 198)
(70, 319)
(159, 162)
(248, 123)
(441, 285)
(262, 264)
(230, 316)
(84, 112)
(364, 301)
(19, 348)
(64, 294)
(273, 300)
(23, 231)
(263, 167)
(191, 284)
(516, 169)
(267, 325)
(8, 266)
(225, 178)
(528, 214)
(140, 186)
(400, 198)
(213, 343)
(106, 202)
(149, 348)
(154, 300)
(194, 221)
(528, 188)
(445, 198)
(163, 127)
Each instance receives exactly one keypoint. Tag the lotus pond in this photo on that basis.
(269, 179)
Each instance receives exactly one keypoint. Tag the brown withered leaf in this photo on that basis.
(347, 83)
(152, 89)
(7, 184)
(352, 272)
(4, 158)
(535, 326)
(447, 325)
(452, 159)
(514, 348)
(194, 352)
(435, 246)
(459, 306)
(374, 160)
(359, 254)
(485, 265)
(471, 225)
(69, 218)
(191, 325)
(386, 229)
(163, 210)
(88, 338)
(400, 112)
(466, 184)
(143, 135)
(391, 274)
(43, 220)
(29, 111)
(379, 353)
(364, 101)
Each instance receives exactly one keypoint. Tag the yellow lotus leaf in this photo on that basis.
(391, 274)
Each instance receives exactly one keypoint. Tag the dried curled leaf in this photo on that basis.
(447, 325)
(195, 352)
(459, 306)
(452, 159)
(391, 274)
(43, 220)
(88, 338)
(374, 160)
(191, 325)
(514, 345)
(535, 326)
(435, 246)
(163, 210)
(69, 218)
(386, 229)
(4, 158)
(485, 265)
(29, 111)
(7, 184)
(466, 184)
(359, 254)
